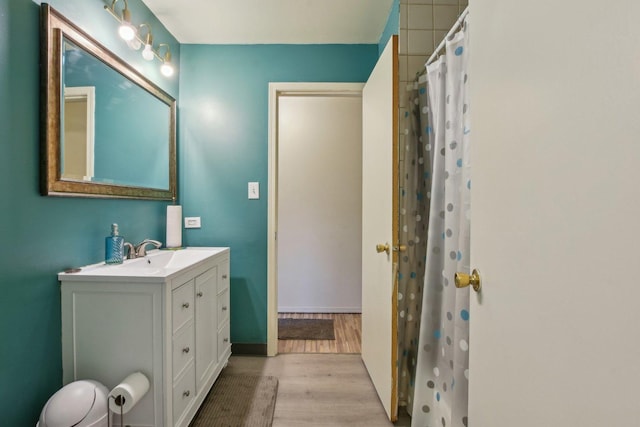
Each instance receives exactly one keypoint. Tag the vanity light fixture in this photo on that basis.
(136, 38)
(126, 30)
(148, 53)
(166, 68)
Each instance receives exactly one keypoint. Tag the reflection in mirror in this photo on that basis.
(109, 132)
(126, 123)
(77, 146)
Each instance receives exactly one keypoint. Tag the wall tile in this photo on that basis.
(440, 35)
(415, 64)
(402, 68)
(420, 42)
(462, 3)
(402, 100)
(404, 13)
(403, 43)
(420, 17)
(445, 16)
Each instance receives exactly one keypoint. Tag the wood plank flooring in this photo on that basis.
(318, 389)
(347, 328)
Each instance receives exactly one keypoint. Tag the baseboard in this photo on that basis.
(253, 349)
(319, 309)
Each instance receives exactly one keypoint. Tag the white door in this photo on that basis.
(379, 150)
(555, 217)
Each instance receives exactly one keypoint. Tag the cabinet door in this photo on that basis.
(206, 325)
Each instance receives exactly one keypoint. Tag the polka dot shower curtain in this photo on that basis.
(416, 160)
(441, 384)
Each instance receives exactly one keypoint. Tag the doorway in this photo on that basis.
(314, 213)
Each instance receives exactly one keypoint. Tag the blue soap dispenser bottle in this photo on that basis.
(114, 247)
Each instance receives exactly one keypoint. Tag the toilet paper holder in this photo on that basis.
(126, 395)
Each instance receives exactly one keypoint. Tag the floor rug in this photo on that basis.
(239, 401)
(306, 329)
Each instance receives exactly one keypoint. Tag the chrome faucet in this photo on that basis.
(140, 249)
(131, 252)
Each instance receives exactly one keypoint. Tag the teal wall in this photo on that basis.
(43, 235)
(223, 146)
(392, 26)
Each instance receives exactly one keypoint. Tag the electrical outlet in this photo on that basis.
(192, 222)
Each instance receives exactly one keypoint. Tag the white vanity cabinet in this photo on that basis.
(170, 323)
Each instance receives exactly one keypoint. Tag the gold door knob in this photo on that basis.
(400, 248)
(383, 248)
(463, 280)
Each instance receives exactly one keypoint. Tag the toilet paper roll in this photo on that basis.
(174, 226)
(125, 395)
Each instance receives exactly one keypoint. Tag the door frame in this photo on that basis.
(275, 91)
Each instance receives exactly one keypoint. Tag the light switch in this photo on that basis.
(254, 190)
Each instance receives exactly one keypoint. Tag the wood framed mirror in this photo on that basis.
(106, 130)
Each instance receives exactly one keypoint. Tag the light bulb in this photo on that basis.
(147, 52)
(166, 69)
(126, 31)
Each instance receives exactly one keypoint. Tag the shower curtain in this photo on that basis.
(441, 383)
(415, 184)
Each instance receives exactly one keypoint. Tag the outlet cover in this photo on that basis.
(192, 222)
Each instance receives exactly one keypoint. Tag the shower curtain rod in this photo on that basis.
(453, 29)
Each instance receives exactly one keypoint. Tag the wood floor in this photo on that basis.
(347, 327)
(318, 389)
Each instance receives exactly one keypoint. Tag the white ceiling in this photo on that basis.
(273, 21)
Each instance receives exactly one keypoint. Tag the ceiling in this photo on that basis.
(273, 21)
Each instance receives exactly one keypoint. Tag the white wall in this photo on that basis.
(555, 99)
(319, 203)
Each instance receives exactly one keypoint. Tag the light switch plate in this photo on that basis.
(254, 190)
(192, 222)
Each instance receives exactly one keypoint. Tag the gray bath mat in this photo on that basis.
(239, 401)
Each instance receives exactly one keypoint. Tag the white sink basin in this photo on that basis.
(156, 264)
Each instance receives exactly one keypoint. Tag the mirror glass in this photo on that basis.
(109, 131)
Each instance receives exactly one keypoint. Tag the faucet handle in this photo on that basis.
(131, 253)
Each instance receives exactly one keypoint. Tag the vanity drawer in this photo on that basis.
(183, 349)
(223, 306)
(224, 339)
(184, 391)
(223, 275)
(182, 305)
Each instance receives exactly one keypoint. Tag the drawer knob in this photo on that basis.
(199, 294)
(224, 308)
(224, 276)
(185, 305)
(186, 393)
(185, 350)
(226, 340)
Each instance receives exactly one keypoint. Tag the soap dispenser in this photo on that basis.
(114, 247)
